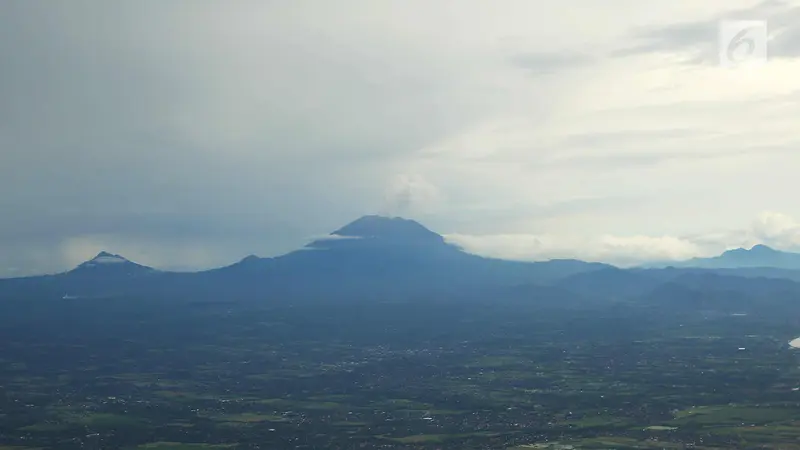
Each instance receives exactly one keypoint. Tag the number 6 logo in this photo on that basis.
(737, 42)
(742, 41)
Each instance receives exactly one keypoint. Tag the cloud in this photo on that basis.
(544, 63)
(697, 42)
(191, 134)
(771, 228)
(411, 195)
(779, 229)
(618, 250)
(331, 237)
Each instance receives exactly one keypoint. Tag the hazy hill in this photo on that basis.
(377, 258)
(373, 256)
(758, 256)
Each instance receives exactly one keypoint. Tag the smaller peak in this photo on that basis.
(382, 226)
(106, 257)
(756, 251)
(377, 220)
(249, 258)
(107, 261)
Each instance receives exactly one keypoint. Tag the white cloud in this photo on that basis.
(775, 229)
(618, 250)
(200, 132)
(779, 228)
(411, 195)
(331, 237)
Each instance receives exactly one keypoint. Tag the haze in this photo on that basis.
(187, 135)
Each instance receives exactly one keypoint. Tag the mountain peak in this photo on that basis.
(396, 228)
(761, 248)
(107, 262)
(107, 258)
(758, 249)
(249, 259)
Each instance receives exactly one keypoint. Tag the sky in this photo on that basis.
(189, 134)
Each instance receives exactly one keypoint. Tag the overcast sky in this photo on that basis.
(188, 134)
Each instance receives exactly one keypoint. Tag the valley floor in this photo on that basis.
(139, 375)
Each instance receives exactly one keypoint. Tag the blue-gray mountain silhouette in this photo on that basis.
(377, 258)
(759, 256)
(394, 256)
(109, 264)
(372, 256)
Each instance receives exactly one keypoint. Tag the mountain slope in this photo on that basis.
(383, 259)
(610, 283)
(109, 265)
(104, 275)
(383, 256)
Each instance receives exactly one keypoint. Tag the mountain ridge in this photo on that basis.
(385, 230)
(758, 256)
(107, 262)
(372, 255)
(395, 258)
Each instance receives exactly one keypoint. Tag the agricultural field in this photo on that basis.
(89, 375)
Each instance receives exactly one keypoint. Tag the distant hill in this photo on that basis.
(105, 275)
(109, 265)
(756, 257)
(389, 256)
(373, 256)
(611, 283)
(391, 259)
